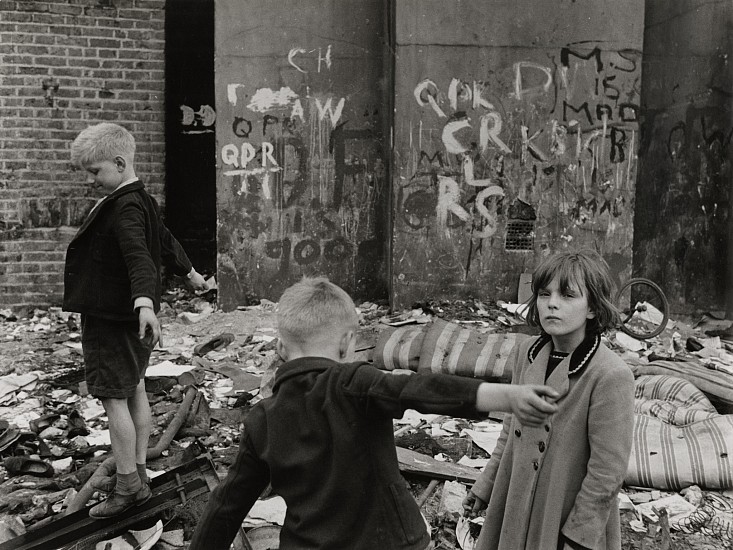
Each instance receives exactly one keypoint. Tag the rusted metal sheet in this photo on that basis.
(516, 132)
(683, 207)
(301, 181)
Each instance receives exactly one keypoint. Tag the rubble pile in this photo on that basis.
(212, 366)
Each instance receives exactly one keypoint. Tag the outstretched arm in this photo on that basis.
(389, 395)
(175, 257)
(530, 404)
(172, 252)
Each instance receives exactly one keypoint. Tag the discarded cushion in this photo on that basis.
(694, 451)
(399, 348)
(453, 349)
(718, 386)
(679, 437)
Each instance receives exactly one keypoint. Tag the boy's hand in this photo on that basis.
(532, 404)
(472, 505)
(149, 322)
(197, 281)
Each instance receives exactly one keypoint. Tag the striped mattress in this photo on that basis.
(680, 439)
(447, 348)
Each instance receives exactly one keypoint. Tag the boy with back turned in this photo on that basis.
(113, 278)
(324, 440)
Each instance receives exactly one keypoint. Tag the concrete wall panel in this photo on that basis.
(683, 215)
(510, 145)
(519, 23)
(301, 169)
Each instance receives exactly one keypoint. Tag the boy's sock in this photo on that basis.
(128, 484)
(142, 472)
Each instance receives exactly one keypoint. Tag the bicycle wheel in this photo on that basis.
(644, 308)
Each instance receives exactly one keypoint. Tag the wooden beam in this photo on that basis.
(412, 462)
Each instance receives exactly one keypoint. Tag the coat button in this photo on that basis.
(542, 446)
(535, 464)
(547, 427)
(518, 433)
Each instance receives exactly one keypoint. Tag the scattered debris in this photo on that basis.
(266, 511)
(176, 487)
(216, 365)
(134, 540)
(419, 464)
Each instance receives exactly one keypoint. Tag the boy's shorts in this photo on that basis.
(115, 358)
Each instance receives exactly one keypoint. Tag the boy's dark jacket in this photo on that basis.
(325, 442)
(115, 257)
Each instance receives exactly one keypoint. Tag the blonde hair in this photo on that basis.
(588, 271)
(312, 308)
(100, 142)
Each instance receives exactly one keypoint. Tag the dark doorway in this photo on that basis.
(190, 211)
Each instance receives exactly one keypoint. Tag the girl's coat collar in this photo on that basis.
(573, 364)
(577, 360)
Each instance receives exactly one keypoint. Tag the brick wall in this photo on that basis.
(106, 56)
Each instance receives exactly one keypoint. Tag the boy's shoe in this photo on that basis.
(105, 484)
(115, 503)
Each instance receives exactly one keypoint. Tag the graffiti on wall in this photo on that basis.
(687, 179)
(304, 167)
(200, 121)
(698, 150)
(538, 151)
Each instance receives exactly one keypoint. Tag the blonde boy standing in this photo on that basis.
(113, 278)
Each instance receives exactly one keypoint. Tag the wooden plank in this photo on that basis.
(419, 464)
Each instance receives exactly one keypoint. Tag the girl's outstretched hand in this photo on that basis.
(532, 404)
(472, 505)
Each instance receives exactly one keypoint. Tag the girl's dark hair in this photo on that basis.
(589, 272)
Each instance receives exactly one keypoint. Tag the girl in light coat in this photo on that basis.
(555, 486)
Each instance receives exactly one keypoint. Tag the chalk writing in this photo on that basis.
(231, 155)
(570, 121)
(308, 250)
(322, 59)
(309, 167)
(520, 92)
(200, 120)
(241, 127)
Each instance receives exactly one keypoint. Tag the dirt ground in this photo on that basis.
(47, 342)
